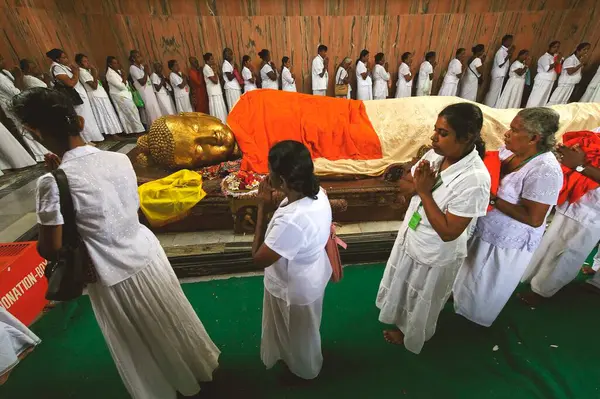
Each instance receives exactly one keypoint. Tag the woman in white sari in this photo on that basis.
(472, 77)
(140, 75)
(364, 84)
(122, 98)
(512, 95)
(570, 75)
(381, 78)
(405, 78)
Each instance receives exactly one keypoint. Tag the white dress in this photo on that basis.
(233, 90)
(247, 75)
(340, 75)
(216, 102)
(91, 131)
(450, 83)
(592, 93)
(544, 80)
(151, 106)
(380, 82)
(404, 88)
(152, 332)
(512, 95)
(182, 95)
(364, 87)
(30, 81)
(418, 278)
(566, 82)
(267, 83)
(15, 339)
(502, 247)
(470, 81)
(123, 100)
(319, 84)
(424, 83)
(12, 153)
(165, 102)
(287, 82)
(106, 117)
(498, 76)
(573, 234)
(295, 285)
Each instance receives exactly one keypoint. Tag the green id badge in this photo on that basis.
(414, 220)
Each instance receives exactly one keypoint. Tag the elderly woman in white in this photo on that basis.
(120, 92)
(381, 78)
(570, 75)
(364, 84)
(512, 95)
(342, 76)
(545, 76)
(453, 75)
(472, 76)
(140, 75)
(216, 102)
(425, 79)
(452, 187)
(592, 93)
(157, 341)
(405, 78)
(291, 248)
(504, 241)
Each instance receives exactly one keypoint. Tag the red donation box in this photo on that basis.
(22, 282)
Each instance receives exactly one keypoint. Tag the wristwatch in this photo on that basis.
(580, 168)
(493, 201)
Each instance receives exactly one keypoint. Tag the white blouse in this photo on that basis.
(539, 180)
(476, 63)
(84, 77)
(454, 68)
(318, 82)
(176, 80)
(267, 83)
(229, 84)
(298, 232)
(425, 70)
(287, 82)
(499, 59)
(380, 81)
(516, 65)
(340, 76)
(156, 81)
(247, 75)
(543, 68)
(103, 186)
(565, 78)
(30, 81)
(404, 70)
(213, 89)
(360, 69)
(116, 85)
(59, 69)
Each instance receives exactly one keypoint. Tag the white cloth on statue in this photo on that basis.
(403, 87)
(318, 82)
(151, 106)
(498, 74)
(12, 153)
(232, 88)
(288, 83)
(364, 86)
(421, 269)
(424, 81)
(592, 94)
(450, 83)
(501, 246)
(15, 339)
(106, 117)
(182, 95)
(123, 100)
(381, 78)
(30, 81)
(566, 82)
(267, 82)
(470, 81)
(165, 102)
(295, 284)
(512, 95)
(340, 75)
(544, 80)
(247, 75)
(91, 131)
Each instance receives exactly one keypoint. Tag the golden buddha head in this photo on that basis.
(189, 140)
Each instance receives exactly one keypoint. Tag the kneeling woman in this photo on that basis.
(452, 187)
(292, 249)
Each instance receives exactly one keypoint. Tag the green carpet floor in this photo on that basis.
(459, 362)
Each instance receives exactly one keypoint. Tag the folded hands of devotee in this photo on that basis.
(424, 178)
(265, 193)
(52, 161)
(572, 157)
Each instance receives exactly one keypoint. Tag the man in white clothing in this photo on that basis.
(500, 70)
(320, 76)
(545, 77)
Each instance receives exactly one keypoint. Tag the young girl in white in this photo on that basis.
(248, 75)
(288, 80)
(179, 81)
(163, 90)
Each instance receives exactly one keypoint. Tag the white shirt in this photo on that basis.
(230, 84)
(516, 65)
(8, 74)
(287, 82)
(103, 186)
(340, 75)
(30, 81)
(586, 210)
(465, 192)
(318, 82)
(539, 180)
(404, 70)
(138, 73)
(567, 79)
(425, 70)
(380, 81)
(267, 83)
(116, 85)
(84, 77)
(247, 75)
(500, 58)
(476, 63)
(7, 91)
(454, 68)
(176, 79)
(543, 68)
(156, 81)
(57, 69)
(360, 69)
(213, 89)
(299, 232)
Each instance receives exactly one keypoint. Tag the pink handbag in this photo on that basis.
(333, 253)
(238, 77)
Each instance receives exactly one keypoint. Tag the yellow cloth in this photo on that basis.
(171, 198)
(403, 125)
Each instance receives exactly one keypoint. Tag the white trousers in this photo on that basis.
(319, 92)
(540, 93)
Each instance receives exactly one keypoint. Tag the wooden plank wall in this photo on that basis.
(166, 29)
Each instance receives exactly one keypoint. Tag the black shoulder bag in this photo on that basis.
(68, 91)
(69, 274)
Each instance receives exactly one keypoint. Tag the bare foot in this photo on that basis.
(588, 270)
(530, 298)
(395, 337)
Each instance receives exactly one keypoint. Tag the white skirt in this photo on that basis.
(540, 93)
(157, 341)
(557, 261)
(448, 89)
(412, 295)
(167, 107)
(15, 339)
(364, 92)
(233, 96)
(487, 279)
(591, 95)
(512, 95)
(183, 104)
(90, 132)
(217, 108)
(153, 111)
(106, 117)
(562, 94)
(469, 87)
(493, 94)
(12, 153)
(402, 90)
(128, 114)
(291, 333)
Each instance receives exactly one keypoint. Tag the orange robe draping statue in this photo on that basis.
(199, 95)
